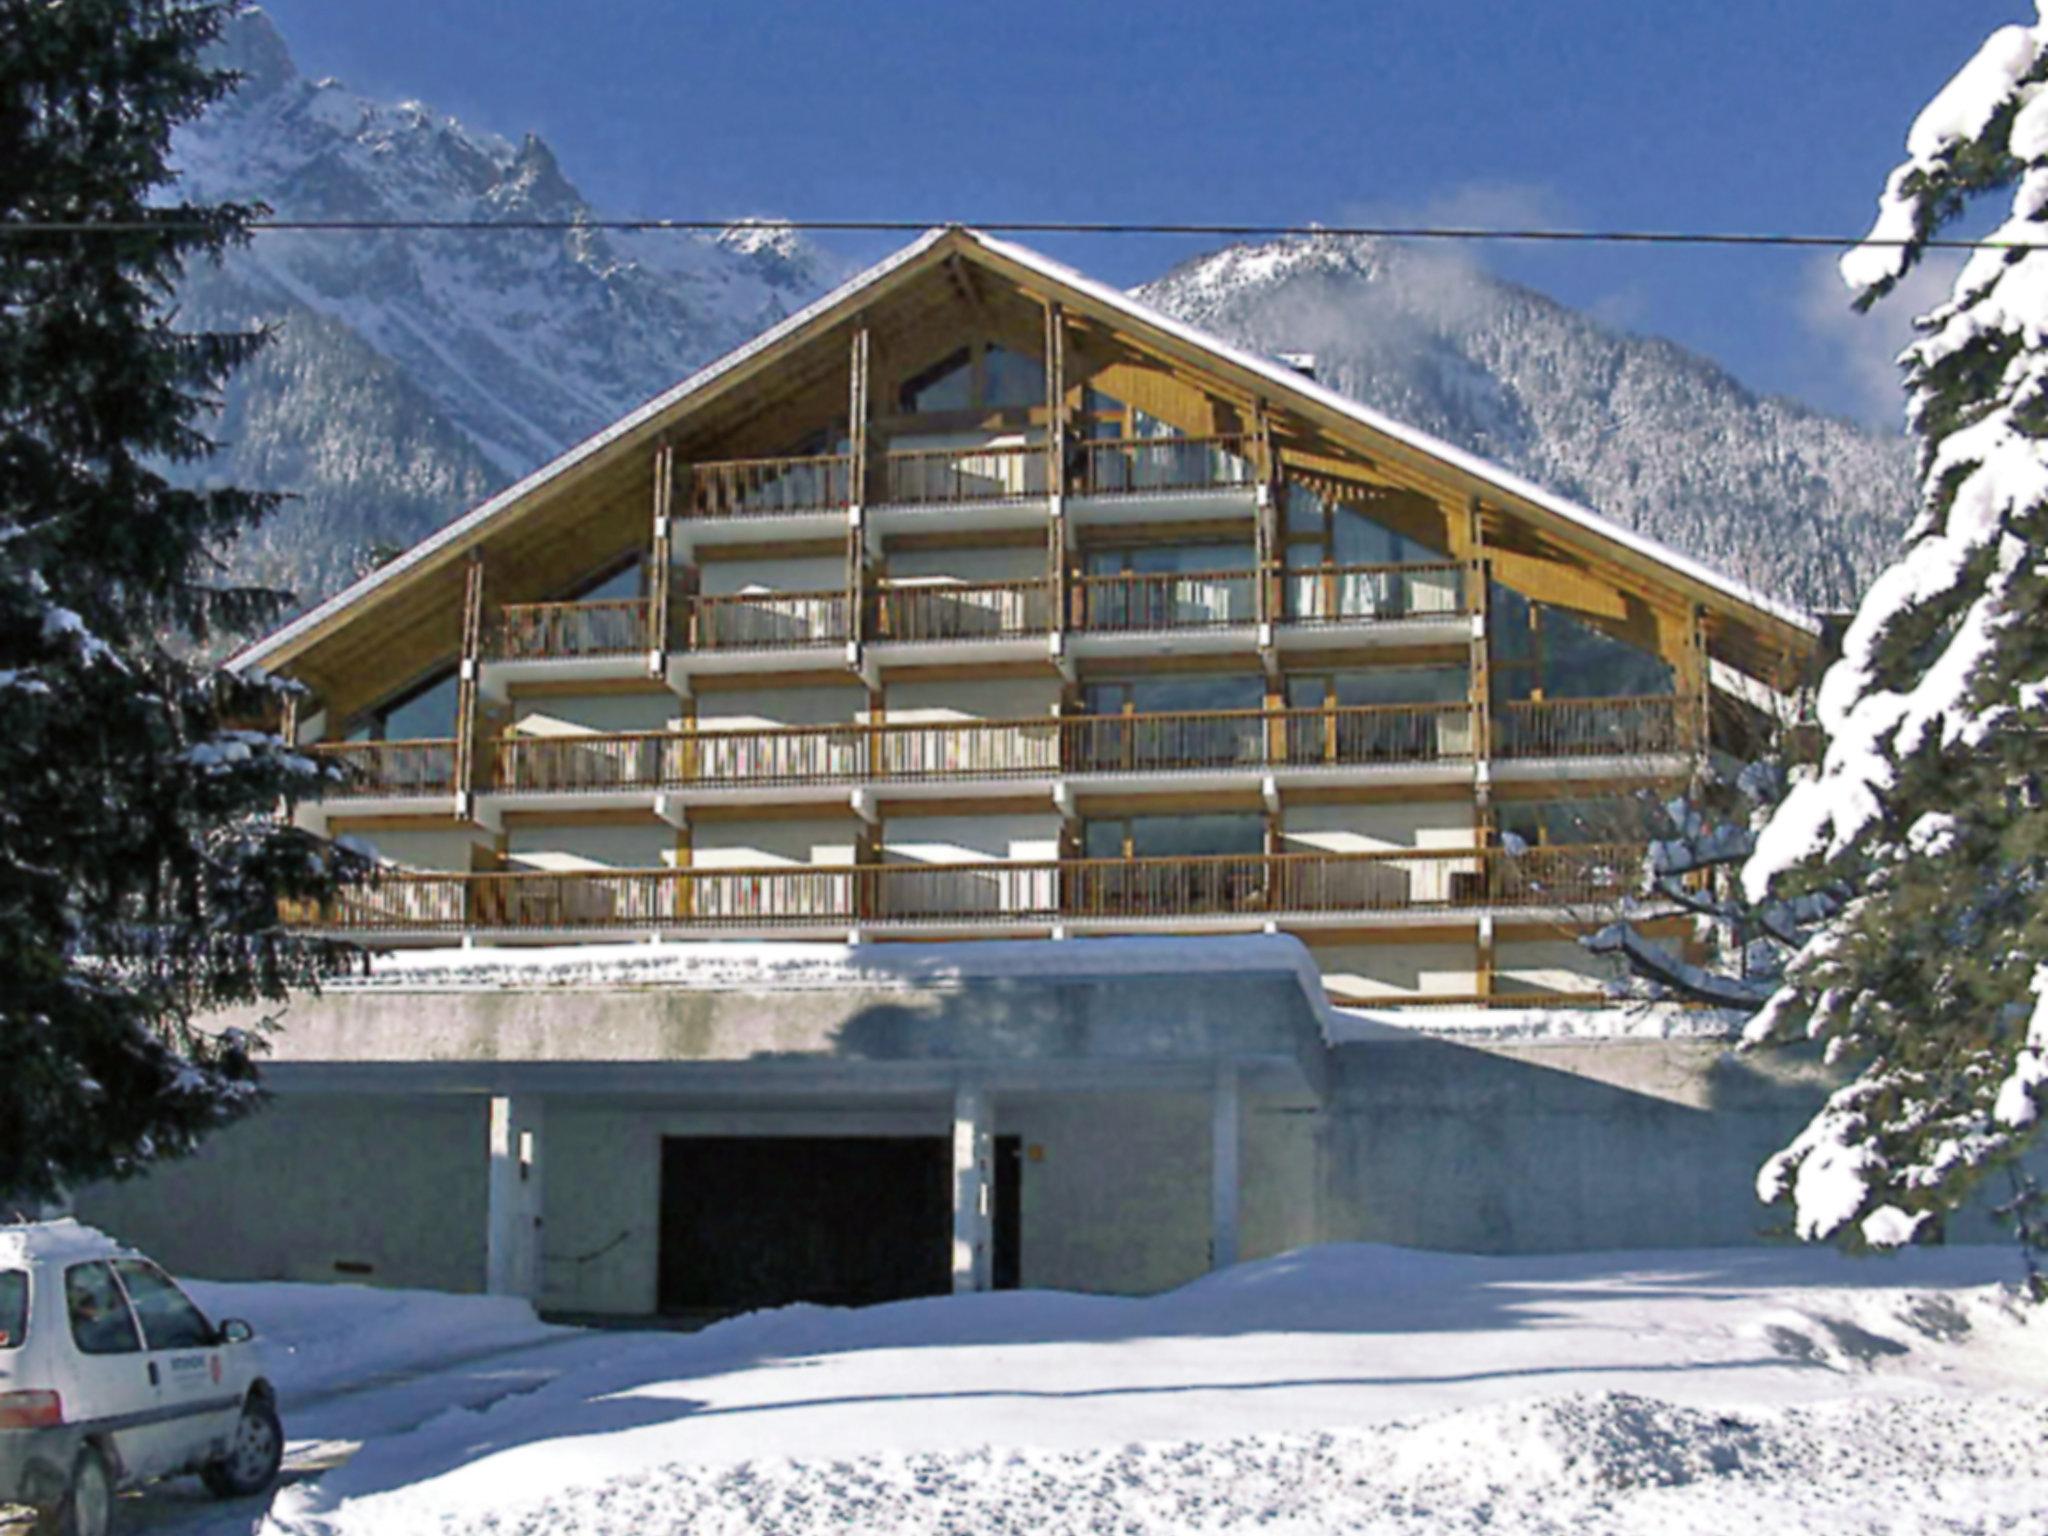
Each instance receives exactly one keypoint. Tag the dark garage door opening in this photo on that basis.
(759, 1221)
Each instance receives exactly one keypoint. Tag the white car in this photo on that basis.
(110, 1376)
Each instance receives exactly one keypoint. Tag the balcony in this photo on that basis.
(743, 488)
(1305, 744)
(1383, 741)
(1651, 725)
(584, 631)
(390, 770)
(1221, 892)
(767, 621)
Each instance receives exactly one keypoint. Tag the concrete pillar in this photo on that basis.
(1224, 1155)
(512, 1211)
(973, 1192)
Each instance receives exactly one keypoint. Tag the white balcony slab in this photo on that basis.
(907, 517)
(496, 678)
(1164, 506)
(1218, 640)
(1361, 633)
(1647, 765)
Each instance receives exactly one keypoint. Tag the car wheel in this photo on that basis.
(253, 1456)
(88, 1507)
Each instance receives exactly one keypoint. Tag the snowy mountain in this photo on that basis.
(1798, 504)
(416, 372)
(413, 373)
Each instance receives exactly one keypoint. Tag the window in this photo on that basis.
(1226, 832)
(422, 713)
(1176, 692)
(1537, 646)
(101, 1323)
(169, 1321)
(13, 1308)
(945, 386)
(1010, 378)
(621, 585)
(1546, 822)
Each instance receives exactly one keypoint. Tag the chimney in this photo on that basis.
(1303, 363)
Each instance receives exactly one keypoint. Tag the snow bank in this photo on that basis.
(1341, 1387)
(1606, 1462)
(319, 1338)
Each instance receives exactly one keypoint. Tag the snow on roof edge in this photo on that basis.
(256, 651)
(1288, 379)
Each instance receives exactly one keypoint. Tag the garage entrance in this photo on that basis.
(758, 1221)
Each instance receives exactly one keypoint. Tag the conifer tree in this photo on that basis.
(140, 864)
(1930, 807)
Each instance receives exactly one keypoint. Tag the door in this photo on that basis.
(197, 1401)
(106, 1377)
(757, 1221)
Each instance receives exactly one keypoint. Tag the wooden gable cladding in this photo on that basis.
(956, 289)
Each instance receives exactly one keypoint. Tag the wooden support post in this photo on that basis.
(1269, 545)
(1056, 465)
(467, 688)
(857, 583)
(288, 723)
(1696, 689)
(1479, 598)
(660, 557)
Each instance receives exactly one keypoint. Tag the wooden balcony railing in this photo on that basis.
(569, 631)
(1636, 727)
(1573, 878)
(1352, 594)
(966, 610)
(767, 620)
(1147, 600)
(1136, 465)
(770, 487)
(950, 475)
(1189, 740)
(391, 768)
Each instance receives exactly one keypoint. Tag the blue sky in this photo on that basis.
(1743, 114)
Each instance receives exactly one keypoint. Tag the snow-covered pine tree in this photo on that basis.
(140, 867)
(1931, 803)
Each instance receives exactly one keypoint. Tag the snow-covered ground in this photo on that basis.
(1337, 1388)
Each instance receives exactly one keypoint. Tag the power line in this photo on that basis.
(1740, 238)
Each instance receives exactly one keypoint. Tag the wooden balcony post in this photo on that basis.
(660, 555)
(467, 686)
(1268, 546)
(1695, 688)
(858, 582)
(1056, 466)
(1479, 602)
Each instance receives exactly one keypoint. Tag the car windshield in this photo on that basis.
(13, 1308)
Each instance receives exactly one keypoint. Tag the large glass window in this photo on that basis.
(1538, 646)
(1177, 692)
(13, 1308)
(101, 1323)
(1162, 558)
(1541, 822)
(1148, 837)
(1010, 378)
(948, 385)
(169, 1320)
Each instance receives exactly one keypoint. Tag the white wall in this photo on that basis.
(1001, 698)
(1550, 965)
(1377, 828)
(753, 844)
(431, 848)
(1402, 970)
(604, 712)
(652, 846)
(758, 709)
(969, 839)
(1022, 564)
(820, 573)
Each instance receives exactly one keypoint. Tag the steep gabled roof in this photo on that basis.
(1283, 386)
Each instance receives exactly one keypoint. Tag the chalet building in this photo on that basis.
(980, 602)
